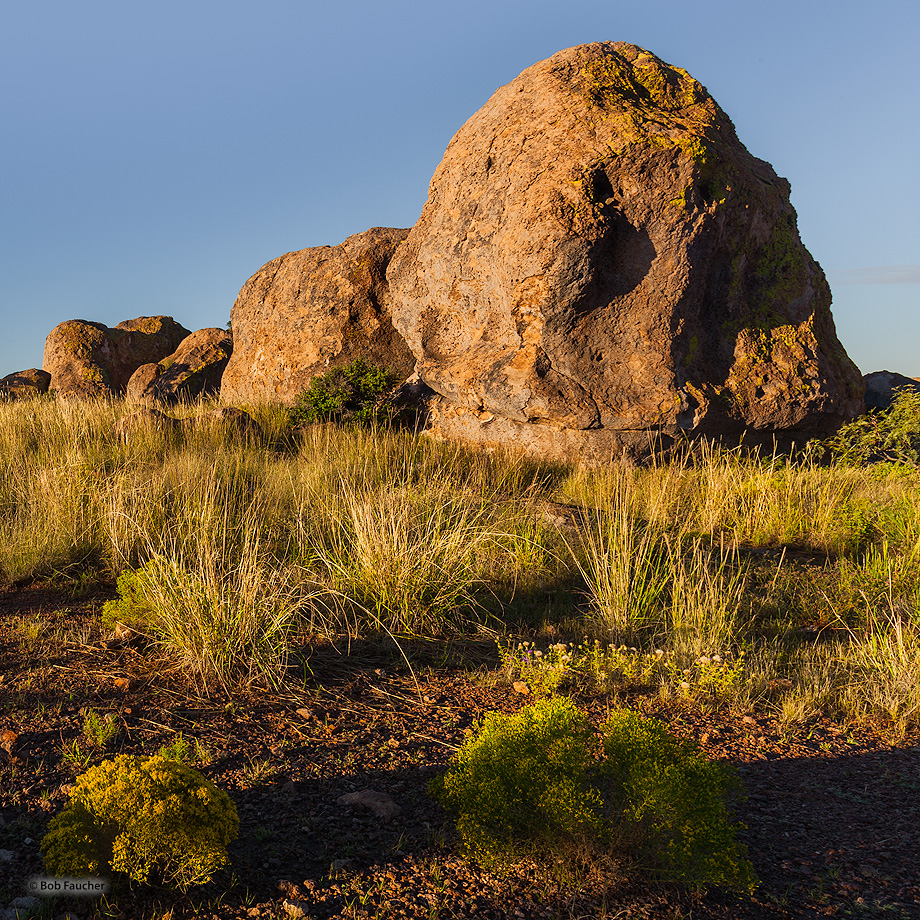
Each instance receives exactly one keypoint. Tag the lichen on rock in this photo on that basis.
(88, 360)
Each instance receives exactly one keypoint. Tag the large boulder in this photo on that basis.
(194, 369)
(25, 384)
(88, 359)
(599, 255)
(308, 311)
(883, 386)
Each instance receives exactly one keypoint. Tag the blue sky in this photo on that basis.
(153, 156)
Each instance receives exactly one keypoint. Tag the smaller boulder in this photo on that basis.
(307, 312)
(883, 386)
(25, 384)
(88, 360)
(143, 420)
(194, 369)
(141, 387)
(236, 422)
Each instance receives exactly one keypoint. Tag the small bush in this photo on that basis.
(183, 751)
(155, 820)
(533, 784)
(669, 799)
(890, 435)
(519, 784)
(352, 393)
(130, 606)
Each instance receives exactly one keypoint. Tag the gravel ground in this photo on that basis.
(832, 813)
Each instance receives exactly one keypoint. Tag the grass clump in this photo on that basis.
(183, 751)
(153, 820)
(229, 618)
(538, 784)
(100, 730)
(411, 559)
(351, 393)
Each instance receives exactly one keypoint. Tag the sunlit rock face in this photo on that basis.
(88, 360)
(308, 311)
(601, 261)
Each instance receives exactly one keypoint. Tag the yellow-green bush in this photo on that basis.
(520, 783)
(669, 802)
(540, 783)
(155, 820)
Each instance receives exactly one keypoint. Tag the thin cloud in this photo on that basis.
(879, 274)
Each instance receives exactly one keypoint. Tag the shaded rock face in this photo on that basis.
(599, 252)
(194, 369)
(882, 387)
(308, 311)
(25, 384)
(89, 360)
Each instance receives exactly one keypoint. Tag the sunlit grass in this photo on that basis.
(248, 546)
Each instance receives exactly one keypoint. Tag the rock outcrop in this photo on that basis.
(194, 369)
(89, 360)
(883, 386)
(25, 384)
(601, 261)
(308, 311)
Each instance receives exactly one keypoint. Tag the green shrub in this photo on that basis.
(890, 435)
(155, 820)
(669, 802)
(533, 784)
(349, 393)
(130, 606)
(520, 785)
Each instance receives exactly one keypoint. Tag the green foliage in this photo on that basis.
(519, 784)
(183, 751)
(130, 606)
(352, 393)
(716, 676)
(671, 801)
(891, 435)
(593, 667)
(99, 731)
(75, 757)
(588, 665)
(178, 750)
(151, 819)
(532, 784)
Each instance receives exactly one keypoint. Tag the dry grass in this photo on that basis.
(246, 546)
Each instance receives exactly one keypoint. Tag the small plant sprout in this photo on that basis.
(100, 730)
